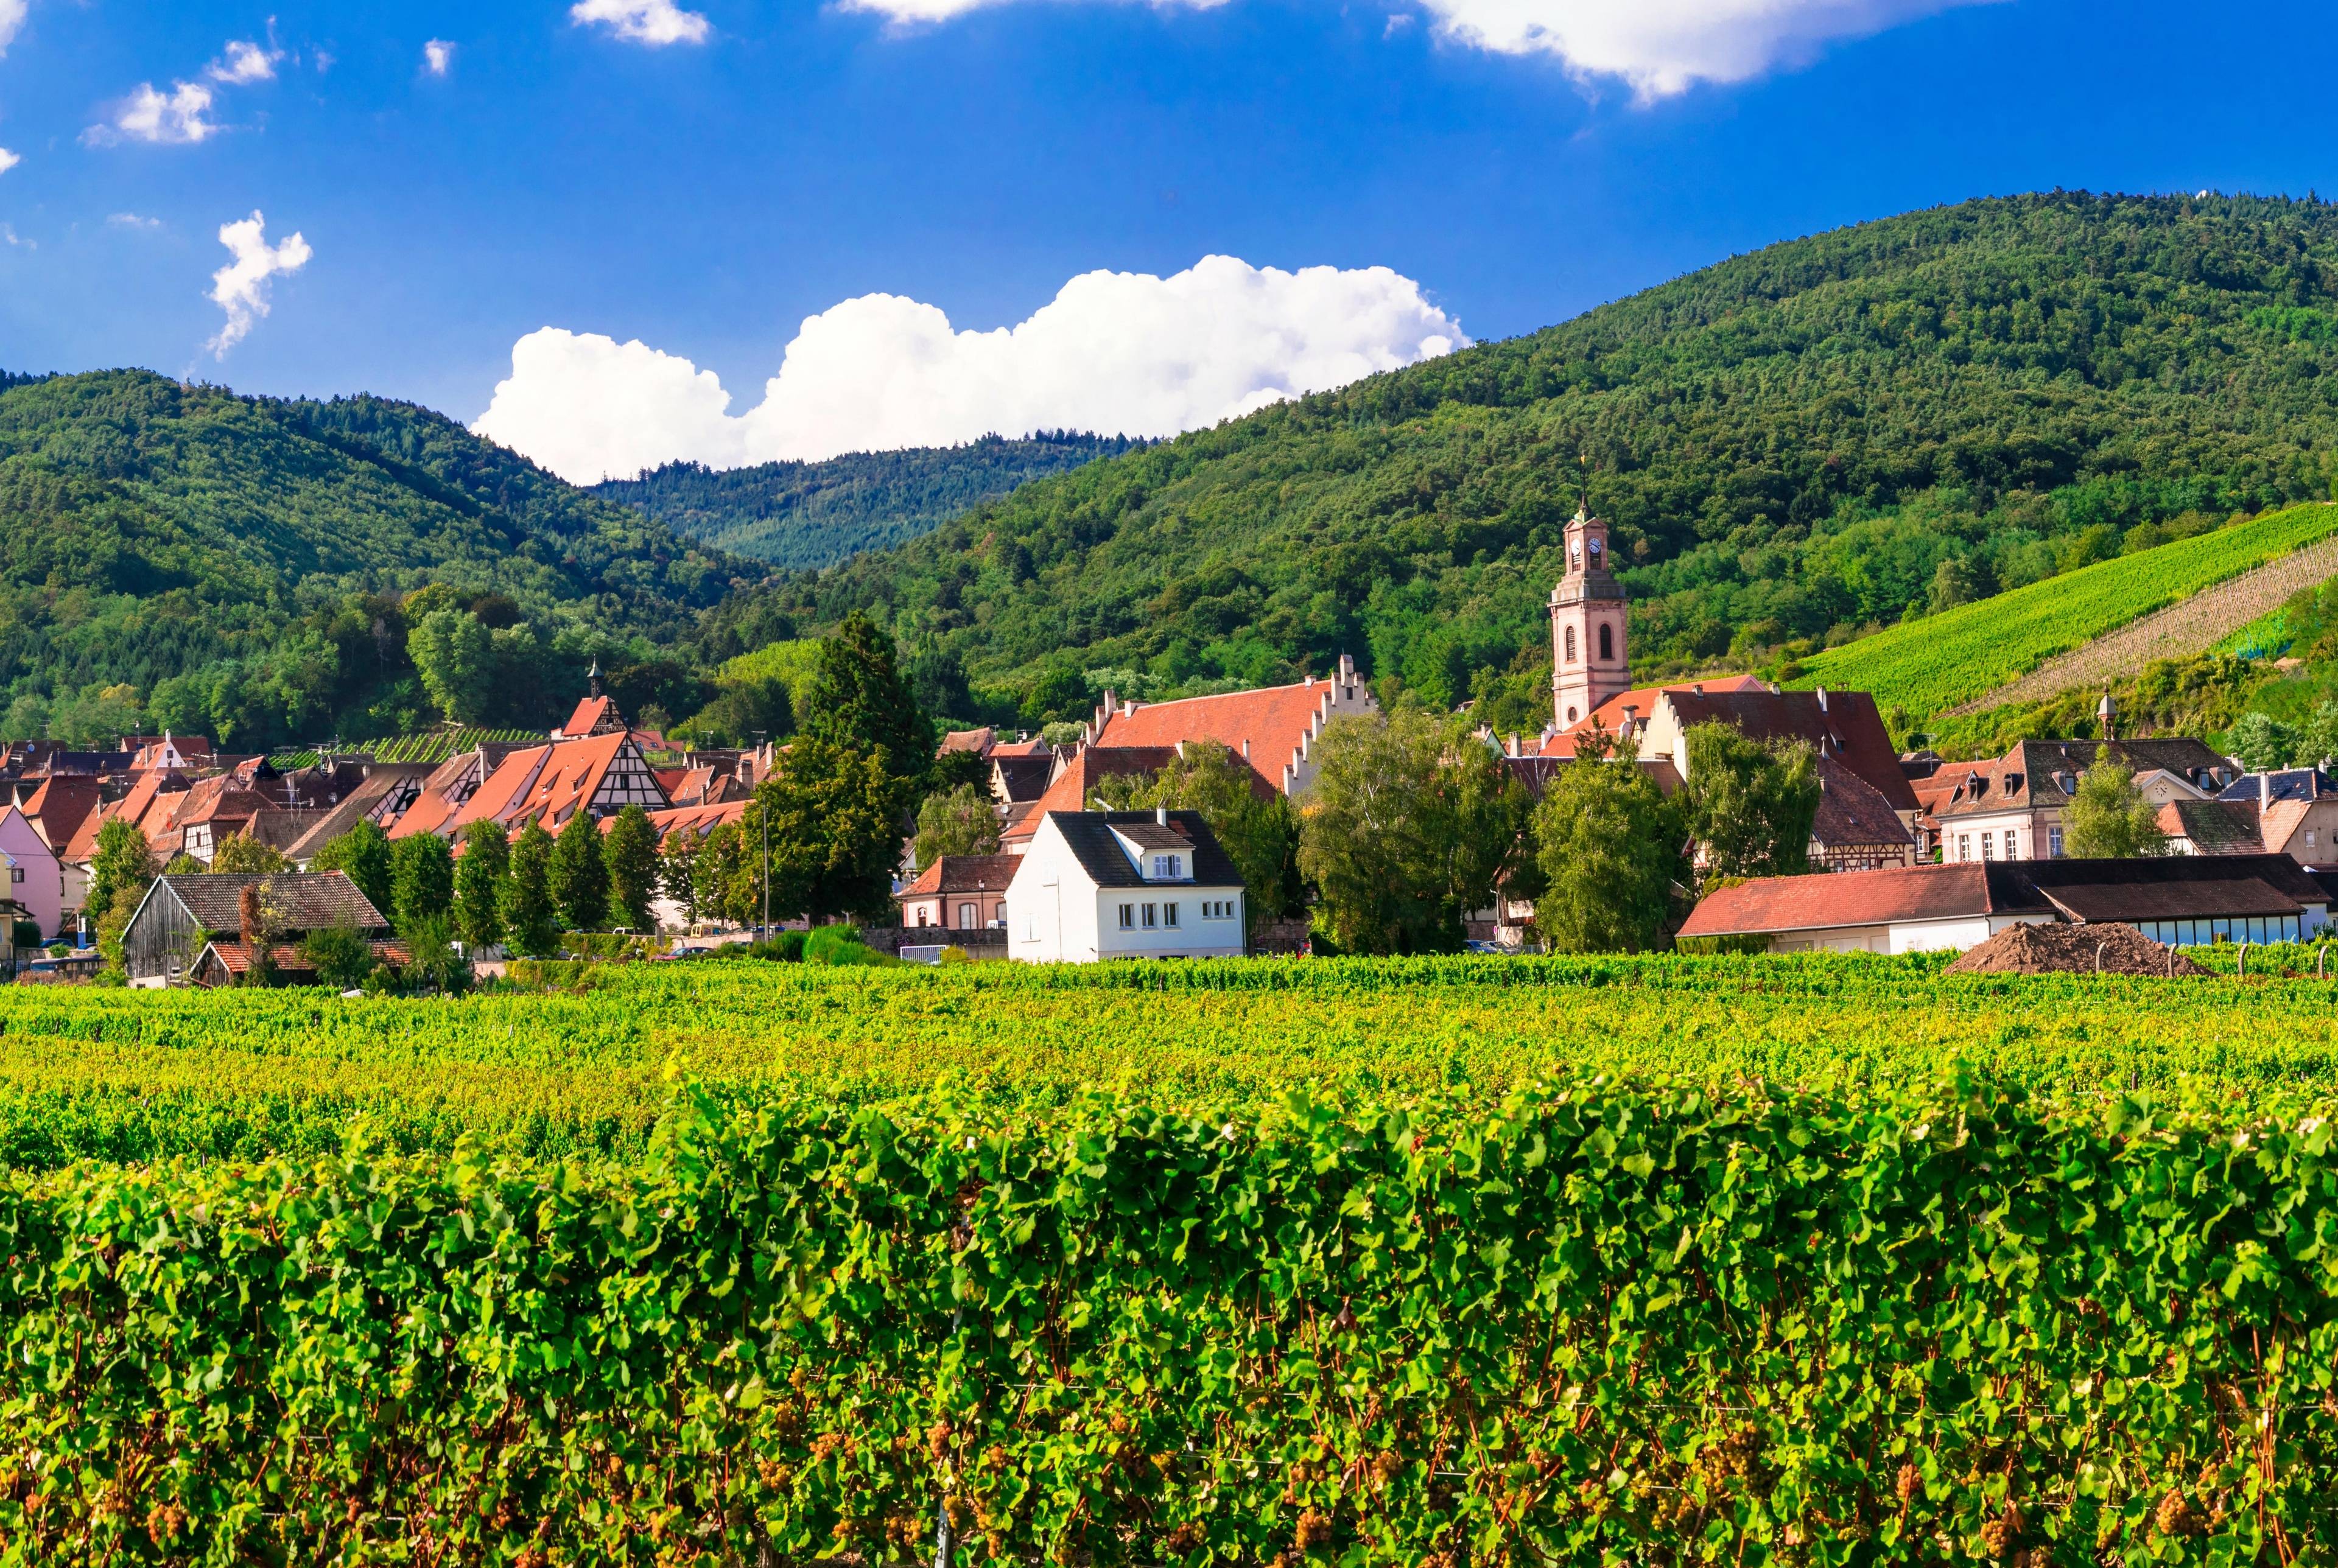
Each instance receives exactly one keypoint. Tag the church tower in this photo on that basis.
(1588, 661)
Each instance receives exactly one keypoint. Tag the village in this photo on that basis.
(238, 863)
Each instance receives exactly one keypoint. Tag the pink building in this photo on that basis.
(35, 878)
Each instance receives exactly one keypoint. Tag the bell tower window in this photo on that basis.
(1570, 645)
(1607, 643)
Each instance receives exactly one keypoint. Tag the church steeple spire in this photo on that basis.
(1589, 660)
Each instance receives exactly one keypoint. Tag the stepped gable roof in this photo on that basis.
(2162, 887)
(1265, 727)
(60, 806)
(1843, 725)
(2039, 774)
(1642, 701)
(2214, 827)
(1093, 842)
(965, 874)
(1068, 791)
(1851, 811)
(306, 901)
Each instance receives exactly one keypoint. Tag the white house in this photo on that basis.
(1098, 885)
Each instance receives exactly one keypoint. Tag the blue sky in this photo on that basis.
(1510, 162)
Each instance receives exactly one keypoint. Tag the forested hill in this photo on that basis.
(810, 514)
(180, 554)
(1792, 445)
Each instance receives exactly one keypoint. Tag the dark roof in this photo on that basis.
(963, 874)
(1093, 844)
(2220, 826)
(299, 902)
(1150, 833)
(2164, 887)
(1024, 777)
(2285, 784)
(2045, 773)
(1843, 725)
(1853, 811)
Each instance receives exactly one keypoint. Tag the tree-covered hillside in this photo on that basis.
(1824, 435)
(179, 556)
(812, 514)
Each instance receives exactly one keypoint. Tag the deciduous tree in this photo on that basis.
(580, 875)
(531, 920)
(1610, 846)
(1750, 804)
(630, 848)
(2108, 819)
(479, 878)
(421, 881)
(962, 821)
(362, 854)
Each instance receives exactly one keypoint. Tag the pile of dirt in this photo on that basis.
(2060, 949)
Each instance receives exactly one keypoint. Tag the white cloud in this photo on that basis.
(9, 160)
(1663, 48)
(243, 64)
(12, 20)
(132, 220)
(1113, 351)
(240, 288)
(437, 57)
(651, 22)
(148, 115)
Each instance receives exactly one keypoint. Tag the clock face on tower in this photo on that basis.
(1595, 555)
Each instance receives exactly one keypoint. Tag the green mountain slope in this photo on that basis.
(1794, 446)
(180, 554)
(812, 514)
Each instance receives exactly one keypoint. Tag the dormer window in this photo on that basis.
(2012, 783)
(1167, 868)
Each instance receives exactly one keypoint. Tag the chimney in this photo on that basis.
(1245, 747)
(2264, 789)
(1514, 743)
(1631, 717)
(1822, 706)
(1161, 816)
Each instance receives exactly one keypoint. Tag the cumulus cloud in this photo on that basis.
(240, 288)
(181, 115)
(244, 62)
(1663, 47)
(437, 57)
(9, 160)
(12, 20)
(656, 22)
(1116, 351)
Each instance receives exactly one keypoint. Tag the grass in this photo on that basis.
(1941, 660)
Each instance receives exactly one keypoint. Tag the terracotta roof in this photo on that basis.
(235, 956)
(549, 782)
(2214, 827)
(590, 715)
(2174, 886)
(1642, 700)
(699, 821)
(1090, 765)
(1028, 748)
(964, 874)
(977, 742)
(1851, 811)
(353, 808)
(1266, 728)
(302, 902)
(1098, 849)
(59, 806)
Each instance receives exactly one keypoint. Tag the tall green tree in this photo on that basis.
(580, 875)
(630, 849)
(960, 821)
(834, 815)
(1751, 804)
(121, 868)
(859, 699)
(362, 854)
(1611, 852)
(531, 919)
(421, 881)
(2264, 743)
(240, 854)
(455, 654)
(1410, 827)
(724, 877)
(2108, 818)
(479, 877)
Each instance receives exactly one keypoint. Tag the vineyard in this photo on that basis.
(1448, 1261)
(1941, 661)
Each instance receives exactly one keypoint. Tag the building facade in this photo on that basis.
(1589, 659)
(1096, 884)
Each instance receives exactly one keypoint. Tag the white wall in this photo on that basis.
(1903, 935)
(1055, 914)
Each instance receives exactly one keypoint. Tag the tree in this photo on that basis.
(183, 865)
(1610, 851)
(479, 877)
(1410, 826)
(340, 955)
(859, 699)
(835, 833)
(678, 873)
(580, 877)
(962, 821)
(1749, 804)
(433, 964)
(630, 848)
(241, 854)
(2264, 742)
(530, 919)
(2108, 819)
(362, 854)
(421, 880)
(723, 874)
(2317, 741)
(454, 655)
(121, 869)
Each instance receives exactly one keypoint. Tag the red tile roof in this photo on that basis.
(59, 806)
(1266, 726)
(1642, 700)
(590, 715)
(2215, 826)
(1853, 812)
(699, 821)
(1816, 902)
(1088, 768)
(963, 874)
(547, 782)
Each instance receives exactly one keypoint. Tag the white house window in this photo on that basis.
(1152, 915)
(2054, 843)
(1964, 845)
(1989, 846)
(1217, 909)
(1166, 867)
(969, 915)
(1128, 916)
(1169, 915)
(2013, 846)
